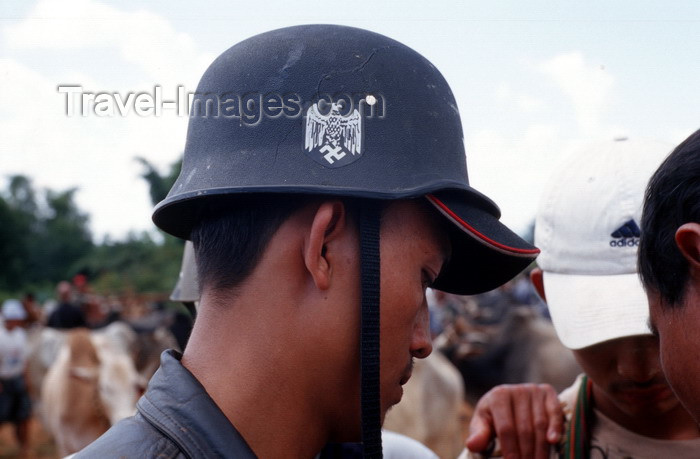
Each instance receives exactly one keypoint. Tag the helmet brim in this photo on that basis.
(485, 252)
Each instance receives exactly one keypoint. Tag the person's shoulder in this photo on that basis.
(568, 396)
(132, 437)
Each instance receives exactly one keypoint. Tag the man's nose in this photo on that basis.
(421, 343)
(639, 361)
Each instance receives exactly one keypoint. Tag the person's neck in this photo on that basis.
(256, 383)
(674, 424)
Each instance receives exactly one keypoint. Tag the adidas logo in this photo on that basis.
(626, 236)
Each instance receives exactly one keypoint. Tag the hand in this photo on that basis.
(526, 418)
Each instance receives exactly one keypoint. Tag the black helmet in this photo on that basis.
(334, 110)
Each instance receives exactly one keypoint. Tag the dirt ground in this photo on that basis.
(42, 445)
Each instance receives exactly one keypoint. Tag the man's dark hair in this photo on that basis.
(672, 198)
(232, 233)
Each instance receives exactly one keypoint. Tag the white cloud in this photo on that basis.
(145, 39)
(95, 154)
(526, 103)
(588, 86)
(503, 91)
(59, 152)
(512, 170)
(676, 136)
(513, 165)
(529, 104)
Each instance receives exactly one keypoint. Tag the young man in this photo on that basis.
(621, 406)
(186, 291)
(15, 406)
(67, 314)
(669, 265)
(324, 181)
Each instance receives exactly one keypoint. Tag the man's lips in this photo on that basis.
(407, 373)
(654, 392)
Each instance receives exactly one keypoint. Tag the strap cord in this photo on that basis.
(370, 214)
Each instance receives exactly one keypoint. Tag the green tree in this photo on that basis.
(13, 247)
(22, 196)
(137, 264)
(45, 238)
(40, 239)
(62, 238)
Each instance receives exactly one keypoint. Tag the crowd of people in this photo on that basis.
(74, 306)
(15, 405)
(17, 317)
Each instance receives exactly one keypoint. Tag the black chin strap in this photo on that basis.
(369, 329)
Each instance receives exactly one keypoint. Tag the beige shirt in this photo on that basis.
(612, 441)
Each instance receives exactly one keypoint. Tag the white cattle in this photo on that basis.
(44, 344)
(431, 407)
(91, 385)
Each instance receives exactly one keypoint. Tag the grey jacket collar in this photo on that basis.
(178, 405)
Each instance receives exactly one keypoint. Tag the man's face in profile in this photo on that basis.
(679, 344)
(414, 248)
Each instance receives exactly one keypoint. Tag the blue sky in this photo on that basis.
(533, 80)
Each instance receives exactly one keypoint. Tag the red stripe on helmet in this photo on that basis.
(475, 232)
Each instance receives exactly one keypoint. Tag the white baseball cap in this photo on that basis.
(13, 310)
(587, 229)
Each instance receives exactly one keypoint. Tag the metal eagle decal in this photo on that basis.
(334, 139)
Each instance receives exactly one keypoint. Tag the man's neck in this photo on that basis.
(257, 387)
(674, 424)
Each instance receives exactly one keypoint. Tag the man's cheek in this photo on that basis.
(668, 360)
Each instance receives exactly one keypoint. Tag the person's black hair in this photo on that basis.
(672, 198)
(232, 234)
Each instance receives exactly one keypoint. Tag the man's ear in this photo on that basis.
(537, 279)
(688, 242)
(329, 222)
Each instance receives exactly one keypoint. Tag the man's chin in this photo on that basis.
(353, 433)
(347, 433)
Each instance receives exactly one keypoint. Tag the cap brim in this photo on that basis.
(485, 252)
(588, 310)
